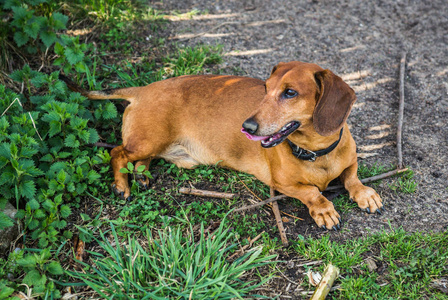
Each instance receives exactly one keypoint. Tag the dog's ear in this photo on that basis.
(334, 103)
(276, 67)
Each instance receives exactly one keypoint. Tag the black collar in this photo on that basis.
(310, 155)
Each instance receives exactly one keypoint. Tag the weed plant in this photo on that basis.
(169, 264)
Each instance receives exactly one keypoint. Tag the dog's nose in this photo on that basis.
(250, 125)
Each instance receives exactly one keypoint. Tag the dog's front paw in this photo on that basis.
(122, 191)
(368, 200)
(325, 215)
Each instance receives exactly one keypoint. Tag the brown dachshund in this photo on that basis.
(298, 116)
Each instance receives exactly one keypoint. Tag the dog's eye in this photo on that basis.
(288, 93)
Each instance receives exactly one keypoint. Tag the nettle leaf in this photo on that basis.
(5, 221)
(54, 268)
(80, 67)
(5, 151)
(110, 111)
(55, 128)
(93, 136)
(39, 214)
(33, 204)
(32, 28)
(34, 172)
(4, 124)
(27, 151)
(84, 135)
(59, 50)
(47, 158)
(59, 21)
(33, 224)
(71, 141)
(61, 176)
(80, 188)
(5, 291)
(28, 261)
(27, 189)
(74, 55)
(38, 79)
(78, 123)
(64, 154)
(49, 205)
(34, 278)
(21, 13)
(58, 199)
(93, 176)
(21, 38)
(51, 116)
(48, 38)
(8, 4)
(65, 211)
(43, 242)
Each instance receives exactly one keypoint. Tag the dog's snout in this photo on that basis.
(250, 125)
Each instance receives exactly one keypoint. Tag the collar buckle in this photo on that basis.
(313, 156)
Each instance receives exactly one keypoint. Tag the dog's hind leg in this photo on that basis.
(119, 160)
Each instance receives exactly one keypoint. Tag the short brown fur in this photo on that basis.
(192, 120)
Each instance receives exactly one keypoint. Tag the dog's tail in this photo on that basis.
(124, 93)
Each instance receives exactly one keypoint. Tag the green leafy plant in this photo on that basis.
(32, 26)
(171, 265)
(71, 55)
(41, 271)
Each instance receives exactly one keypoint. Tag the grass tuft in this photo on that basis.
(169, 264)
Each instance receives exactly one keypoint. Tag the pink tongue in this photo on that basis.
(253, 137)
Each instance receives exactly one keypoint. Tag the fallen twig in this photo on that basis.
(105, 145)
(330, 274)
(311, 263)
(370, 179)
(270, 200)
(401, 110)
(279, 221)
(203, 193)
(268, 203)
(241, 251)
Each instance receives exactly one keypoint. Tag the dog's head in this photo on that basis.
(300, 95)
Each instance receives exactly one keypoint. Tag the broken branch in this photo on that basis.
(401, 111)
(330, 274)
(270, 200)
(279, 221)
(370, 179)
(204, 193)
(105, 145)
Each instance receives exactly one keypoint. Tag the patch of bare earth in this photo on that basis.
(362, 41)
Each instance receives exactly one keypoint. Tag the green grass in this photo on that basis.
(410, 263)
(170, 264)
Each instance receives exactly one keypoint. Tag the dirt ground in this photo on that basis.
(361, 41)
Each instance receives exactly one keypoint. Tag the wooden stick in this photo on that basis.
(278, 219)
(330, 274)
(204, 193)
(100, 144)
(270, 205)
(370, 179)
(401, 110)
(270, 200)
(251, 242)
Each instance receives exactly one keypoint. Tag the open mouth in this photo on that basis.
(276, 138)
